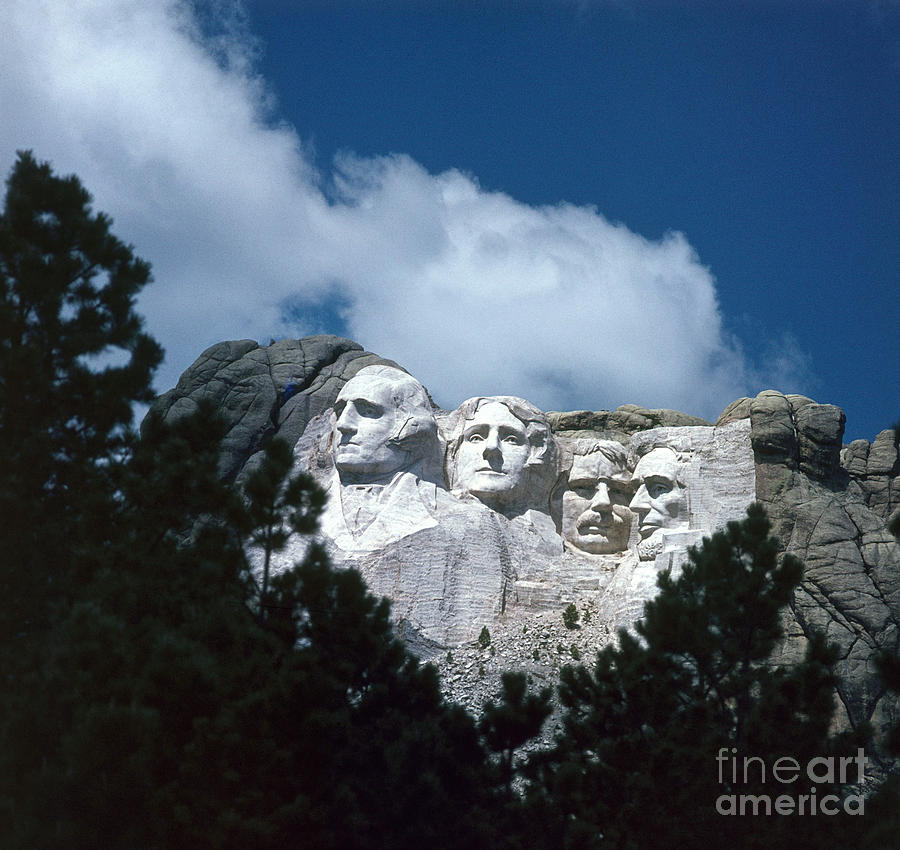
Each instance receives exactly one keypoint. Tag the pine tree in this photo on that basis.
(344, 740)
(156, 691)
(73, 360)
(170, 714)
(511, 723)
(636, 764)
(154, 640)
(883, 812)
(67, 290)
(275, 508)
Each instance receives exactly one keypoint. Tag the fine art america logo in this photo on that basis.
(820, 770)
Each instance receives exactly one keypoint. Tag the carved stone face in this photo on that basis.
(490, 461)
(660, 500)
(367, 419)
(595, 514)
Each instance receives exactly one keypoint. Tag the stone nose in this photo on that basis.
(491, 444)
(347, 421)
(641, 500)
(601, 501)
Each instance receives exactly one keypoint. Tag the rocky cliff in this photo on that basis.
(498, 515)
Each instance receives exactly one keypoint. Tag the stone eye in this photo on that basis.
(620, 494)
(368, 409)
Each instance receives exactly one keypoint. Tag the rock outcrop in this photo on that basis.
(532, 511)
(829, 505)
(266, 390)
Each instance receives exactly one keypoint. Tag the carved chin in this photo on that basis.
(596, 544)
(354, 462)
(344, 458)
(352, 457)
(651, 545)
(490, 483)
(599, 534)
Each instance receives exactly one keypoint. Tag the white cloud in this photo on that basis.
(473, 291)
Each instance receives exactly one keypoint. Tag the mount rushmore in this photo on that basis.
(498, 515)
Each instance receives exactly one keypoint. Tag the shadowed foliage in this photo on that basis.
(157, 691)
(164, 687)
(636, 761)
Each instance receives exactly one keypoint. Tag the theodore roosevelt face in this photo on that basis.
(491, 459)
(595, 514)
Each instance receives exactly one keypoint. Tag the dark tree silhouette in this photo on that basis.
(636, 764)
(157, 691)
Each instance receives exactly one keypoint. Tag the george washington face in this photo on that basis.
(367, 445)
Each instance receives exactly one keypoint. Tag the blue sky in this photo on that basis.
(584, 203)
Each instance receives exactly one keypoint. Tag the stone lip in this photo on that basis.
(829, 505)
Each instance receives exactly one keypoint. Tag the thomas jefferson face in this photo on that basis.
(491, 458)
(660, 500)
(595, 515)
(367, 418)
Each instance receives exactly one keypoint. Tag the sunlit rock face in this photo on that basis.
(501, 452)
(387, 460)
(596, 517)
(661, 500)
(384, 425)
(499, 514)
